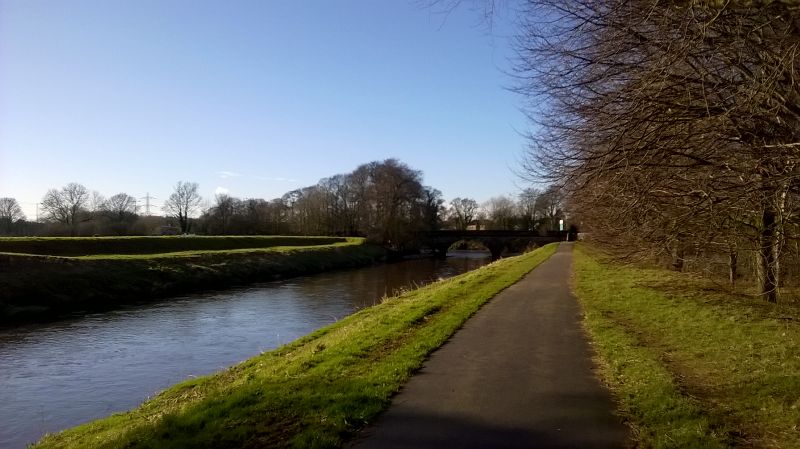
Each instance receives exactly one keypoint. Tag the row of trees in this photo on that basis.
(75, 210)
(674, 126)
(74, 204)
(326, 208)
(70, 208)
(533, 210)
(385, 201)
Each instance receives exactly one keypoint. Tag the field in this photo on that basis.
(87, 246)
(692, 365)
(42, 282)
(315, 392)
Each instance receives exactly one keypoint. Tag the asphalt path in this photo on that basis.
(519, 374)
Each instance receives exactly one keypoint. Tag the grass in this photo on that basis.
(85, 246)
(315, 392)
(692, 366)
(227, 252)
(34, 287)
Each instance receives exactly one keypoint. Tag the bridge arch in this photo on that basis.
(496, 241)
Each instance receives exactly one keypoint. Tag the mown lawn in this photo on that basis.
(691, 365)
(315, 392)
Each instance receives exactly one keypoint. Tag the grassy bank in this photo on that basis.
(35, 287)
(83, 246)
(315, 392)
(692, 365)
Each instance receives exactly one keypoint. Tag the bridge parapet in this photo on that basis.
(495, 240)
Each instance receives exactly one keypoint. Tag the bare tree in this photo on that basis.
(183, 203)
(119, 213)
(674, 127)
(502, 212)
(65, 206)
(223, 211)
(121, 206)
(432, 209)
(463, 211)
(397, 188)
(10, 213)
(96, 202)
(527, 208)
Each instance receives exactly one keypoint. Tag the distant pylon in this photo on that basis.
(147, 203)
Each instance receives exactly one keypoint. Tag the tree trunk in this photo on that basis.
(678, 258)
(767, 258)
(183, 221)
(733, 259)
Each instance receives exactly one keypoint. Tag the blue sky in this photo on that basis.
(253, 97)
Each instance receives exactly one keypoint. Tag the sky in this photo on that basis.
(252, 98)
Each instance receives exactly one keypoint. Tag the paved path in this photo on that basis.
(517, 375)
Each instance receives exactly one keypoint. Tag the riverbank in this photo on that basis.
(317, 391)
(93, 246)
(34, 287)
(692, 365)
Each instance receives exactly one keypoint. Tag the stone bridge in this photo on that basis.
(495, 241)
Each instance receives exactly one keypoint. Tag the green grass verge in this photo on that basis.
(692, 366)
(36, 287)
(308, 244)
(315, 392)
(84, 246)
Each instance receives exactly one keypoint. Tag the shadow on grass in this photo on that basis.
(701, 290)
(266, 415)
(251, 419)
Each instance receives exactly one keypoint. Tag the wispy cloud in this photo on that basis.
(279, 179)
(228, 174)
(225, 174)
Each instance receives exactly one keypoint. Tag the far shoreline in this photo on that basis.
(36, 288)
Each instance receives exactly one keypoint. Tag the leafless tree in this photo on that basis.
(10, 213)
(121, 206)
(526, 204)
(96, 202)
(671, 126)
(502, 211)
(66, 205)
(433, 209)
(183, 203)
(463, 211)
(118, 214)
(223, 211)
(396, 190)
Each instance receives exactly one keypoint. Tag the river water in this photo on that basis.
(57, 375)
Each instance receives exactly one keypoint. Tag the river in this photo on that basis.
(60, 374)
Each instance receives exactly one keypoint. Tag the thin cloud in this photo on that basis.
(228, 174)
(279, 179)
(225, 174)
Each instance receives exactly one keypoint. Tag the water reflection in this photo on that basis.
(57, 375)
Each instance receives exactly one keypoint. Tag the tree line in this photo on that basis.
(75, 210)
(384, 201)
(674, 128)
